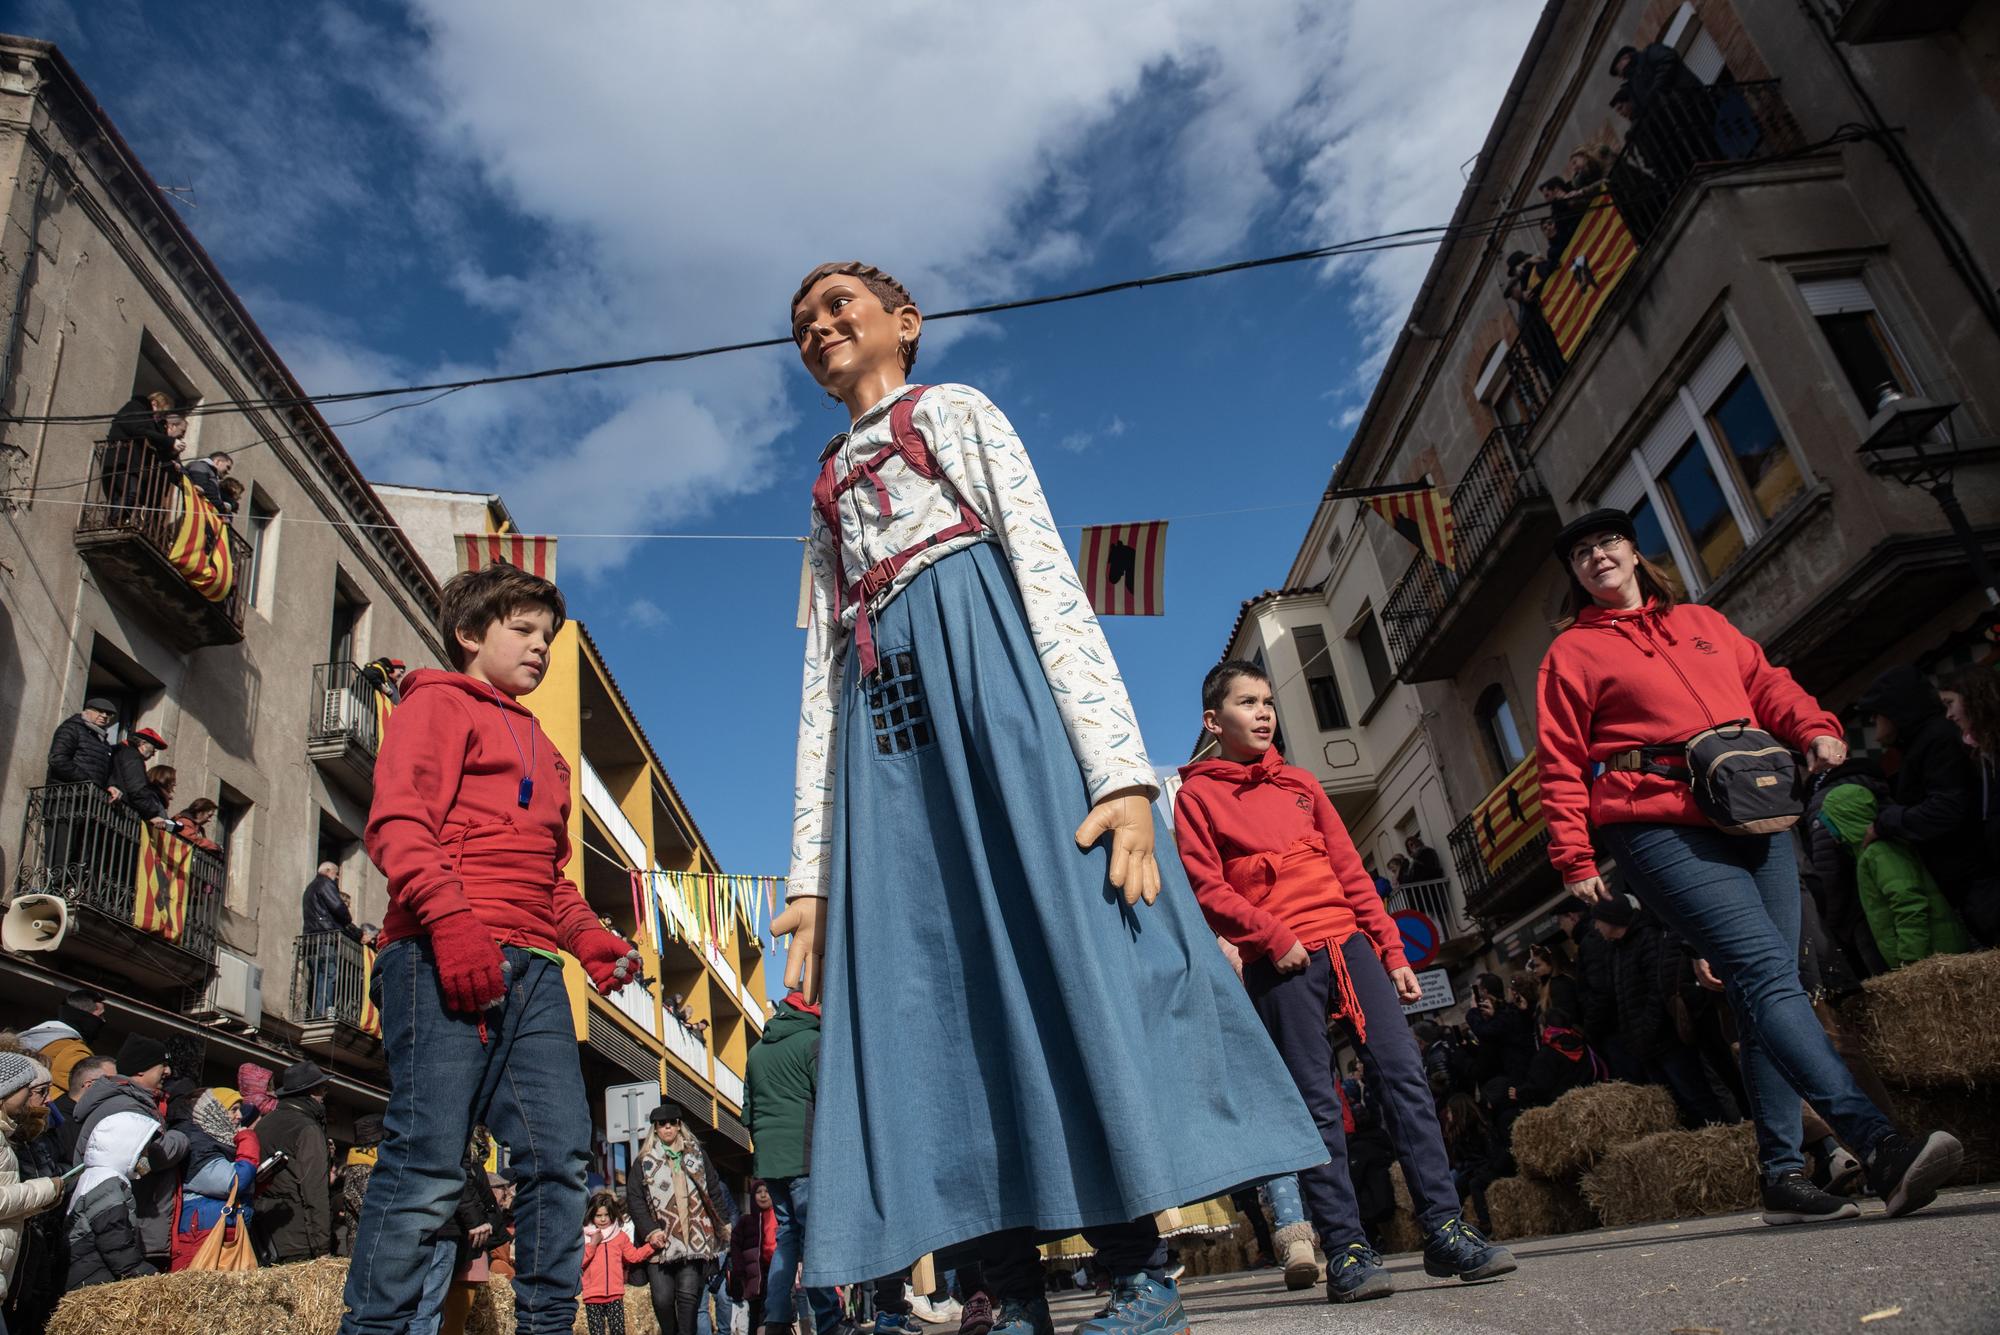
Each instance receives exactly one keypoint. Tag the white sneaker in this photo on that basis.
(923, 1310)
(951, 1311)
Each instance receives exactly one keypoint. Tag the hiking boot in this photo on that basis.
(1457, 1249)
(1140, 1305)
(1838, 1173)
(976, 1317)
(1295, 1243)
(1792, 1199)
(1017, 1316)
(1906, 1173)
(1356, 1275)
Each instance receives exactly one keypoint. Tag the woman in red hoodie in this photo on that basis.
(1634, 668)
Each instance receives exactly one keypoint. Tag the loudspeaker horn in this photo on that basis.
(34, 923)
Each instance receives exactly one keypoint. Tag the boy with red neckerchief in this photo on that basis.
(1279, 880)
(470, 824)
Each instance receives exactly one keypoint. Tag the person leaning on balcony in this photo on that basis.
(192, 824)
(324, 908)
(1633, 667)
(80, 752)
(129, 760)
(209, 474)
(139, 444)
(1657, 76)
(386, 676)
(1425, 864)
(161, 780)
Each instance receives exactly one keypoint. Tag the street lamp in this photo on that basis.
(1903, 443)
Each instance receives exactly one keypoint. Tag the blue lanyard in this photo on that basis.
(527, 790)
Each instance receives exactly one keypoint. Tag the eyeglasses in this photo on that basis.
(1610, 546)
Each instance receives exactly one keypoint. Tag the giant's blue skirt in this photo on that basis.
(1005, 1044)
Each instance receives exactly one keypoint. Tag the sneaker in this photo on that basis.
(1175, 1271)
(923, 1308)
(1907, 1173)
(1356, 1275)
(1457, 1249)
(1018, 1316)
(949, 1311)
(1301, 1266)
(896, 1323)
(976, 1317)
(1792, 1199)
(1838, 1173)
(1140, 1305)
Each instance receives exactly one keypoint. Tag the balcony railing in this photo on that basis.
(1498, 489)
(142, 901)
(330, 981)
(686, 1044)
(345, 724)
(728, 1083)
(134, 522)
(1494, 892)
(636, 1004)
(1434, 900)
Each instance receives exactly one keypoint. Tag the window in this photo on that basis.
(1366, 633)
(1712, 473)
(1496, 725)
(343, 644)
(1316, 665)
(1699, 52)
(263, 546)
(233, 833)
(1855, 334)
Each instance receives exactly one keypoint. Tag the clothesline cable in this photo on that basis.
(1503, 221)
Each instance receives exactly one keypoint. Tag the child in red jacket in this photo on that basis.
(607, 1251)
(1279, 880)
(470, 825)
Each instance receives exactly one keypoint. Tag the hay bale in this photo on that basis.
(1676, 1175)
(303, 1298)
(1930, 1023)
(1971, 1115)
(1561, 1141)
(1526, 1207)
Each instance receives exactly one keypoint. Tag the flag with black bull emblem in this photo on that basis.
(1421, 514)
(1511, 816)
(1124, 568)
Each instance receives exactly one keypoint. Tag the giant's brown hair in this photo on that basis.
(474, 599)
(892, 294)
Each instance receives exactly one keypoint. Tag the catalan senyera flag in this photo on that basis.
(1510, 816)
(371, 1019)
(384, 706)
(1422, 514)
(1593, 264)
(160, 891)
(523, 551)
(200, 549)
(1124, 569)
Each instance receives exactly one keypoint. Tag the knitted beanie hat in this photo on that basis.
(18, 1072)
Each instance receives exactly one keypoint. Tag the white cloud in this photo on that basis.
(646, 614)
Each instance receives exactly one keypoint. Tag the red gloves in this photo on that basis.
(471, 970)
(609, 959)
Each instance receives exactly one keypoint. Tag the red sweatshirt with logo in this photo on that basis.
(1271, 863)
(448, 827)
(1618, 680)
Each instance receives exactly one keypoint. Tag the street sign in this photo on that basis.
(1437, 993)
(626, 1108)
(1421, 937)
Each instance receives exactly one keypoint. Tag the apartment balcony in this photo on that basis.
(330, 1000)
(143, 902)
(728, 1083)
(134, 530)
(1458, 936)
(1496, 892)
(1863, 21)
(1504, 520)
(346, 722)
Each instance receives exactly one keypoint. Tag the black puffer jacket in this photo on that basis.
(78, 753)
(294, 1213)
(1934, 796)
(1506, 1042)
(1645, 965)
(128, 776)
(1598, 993)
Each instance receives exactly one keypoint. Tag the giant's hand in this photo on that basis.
(1128, 818)
(804, 921)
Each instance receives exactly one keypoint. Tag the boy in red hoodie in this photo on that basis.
(1279, 880)
(471, 826)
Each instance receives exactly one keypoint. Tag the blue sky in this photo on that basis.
(425, 190)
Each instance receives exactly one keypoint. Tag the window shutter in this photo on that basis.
(1717, 369)
(1836, 296)
(1704, 58)
(1664, 441)
(1626, 490)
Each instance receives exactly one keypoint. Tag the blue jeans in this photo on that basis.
(789, 1197)
(437, 1288)
(517, 1074)
(1735, 901)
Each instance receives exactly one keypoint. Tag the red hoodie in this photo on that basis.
(448, 828)
(1619, 680)
(1259, 842)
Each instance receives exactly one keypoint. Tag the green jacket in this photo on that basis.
(1906, 911)
(778, 1090)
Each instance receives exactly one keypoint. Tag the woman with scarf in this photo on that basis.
(221, 1156)
(680, 1208)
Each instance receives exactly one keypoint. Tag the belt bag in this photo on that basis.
(1745, 780)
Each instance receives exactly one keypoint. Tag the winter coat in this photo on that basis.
(154, 1193)
(1424, 866)
(1598, 994)
(201, 472)
(1644, 967)
(747, 1256)
(105, 1242)
(1658, 73)
(139, 431)
(18, 1200)
(1506, 1042)
(59, 1047)
(294, 1216)
(1563, 1062)
(128, 776)
(448, 828)
(323, 910)
(1907, 913)
(1934, 797)
(1829, 874)
(779, 1084)
(709, 1195)
(1617, 680)
(606, 1254)
(476, 1206)
(79, 753)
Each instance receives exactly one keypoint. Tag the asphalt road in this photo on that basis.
(1936, 1272)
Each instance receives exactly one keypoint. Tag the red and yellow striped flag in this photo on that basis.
(1124, 569)
(200, 549)
(536, 555)
(1593, 264)
(1510, 816)
(160, 891)
(1421, 514)
(371, 1018)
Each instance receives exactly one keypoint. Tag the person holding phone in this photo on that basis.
(24, 1082)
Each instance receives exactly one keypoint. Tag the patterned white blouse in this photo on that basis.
(981, 459)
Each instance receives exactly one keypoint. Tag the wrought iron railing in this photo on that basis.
(1433, 899)
(1681, 134)
(329, 979)
(347, 708)
(77, 843)
(1494, 486)
(132, 490)
(1485, 885)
